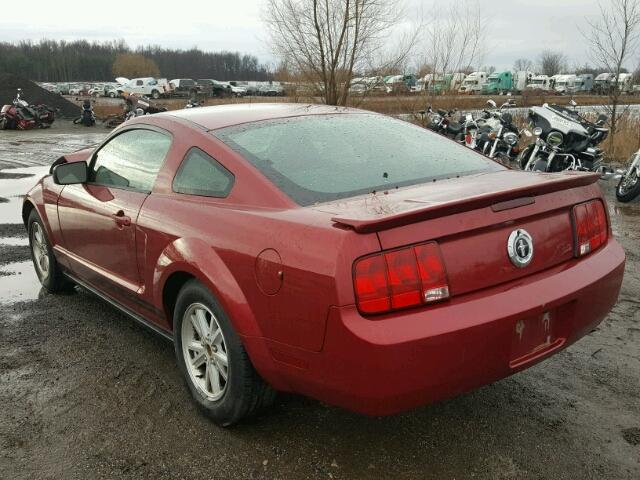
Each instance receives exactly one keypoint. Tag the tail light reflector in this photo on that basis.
(401, 278)
(591, 229)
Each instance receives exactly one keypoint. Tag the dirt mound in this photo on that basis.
(34, 94)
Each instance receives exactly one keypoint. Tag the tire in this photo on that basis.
(625, 193)
(51, 277)
(243, 393)
(540, 165)
(523, 157)
(3, 123)
(155, 95)
(112, 95)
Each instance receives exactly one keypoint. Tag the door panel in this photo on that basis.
(98, 226)
(98, 219)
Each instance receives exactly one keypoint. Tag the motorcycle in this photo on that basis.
(565, 141)
(499, 137)
(441, 122)
(22, 116)
(135, 107)
(629, 186)
(193, 104)
(88, 117)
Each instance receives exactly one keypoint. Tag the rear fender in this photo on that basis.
(199, 259)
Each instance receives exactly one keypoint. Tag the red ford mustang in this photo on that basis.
(336, 253)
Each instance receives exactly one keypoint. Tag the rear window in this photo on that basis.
(322, 158)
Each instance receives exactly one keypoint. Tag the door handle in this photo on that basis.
(121, 219)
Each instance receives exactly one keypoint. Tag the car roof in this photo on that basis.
(212, 118)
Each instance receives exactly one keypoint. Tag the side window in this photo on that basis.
(139, 82)
(131, 160)
(202, 175)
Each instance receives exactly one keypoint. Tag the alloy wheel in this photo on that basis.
(205, 351)
(39, 250)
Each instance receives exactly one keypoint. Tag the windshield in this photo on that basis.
(321, 158)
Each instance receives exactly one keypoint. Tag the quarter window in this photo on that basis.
(131, 160)
(200, 174)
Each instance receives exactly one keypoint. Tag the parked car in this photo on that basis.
(76, 89)
(214, 88)
(184, 87)
(62, 88)
(97, 91)
(377, 269)
(272, 89)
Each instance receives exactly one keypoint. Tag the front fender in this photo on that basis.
(45, 201)
(199, 259)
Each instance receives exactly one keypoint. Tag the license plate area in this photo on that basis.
(532, 337)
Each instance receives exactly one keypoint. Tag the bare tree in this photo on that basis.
(523, 65)
(552, 63)
(325, 41)
(454, 41)
(613, 40)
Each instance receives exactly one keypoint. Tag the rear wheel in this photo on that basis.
(213, 361)
(44, 261)
(629, 187)
(155, 95)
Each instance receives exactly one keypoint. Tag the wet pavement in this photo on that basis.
(87, 393)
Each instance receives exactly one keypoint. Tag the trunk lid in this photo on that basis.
(472, 218)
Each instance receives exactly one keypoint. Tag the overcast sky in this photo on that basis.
(518, 28)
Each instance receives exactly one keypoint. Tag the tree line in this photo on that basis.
(80, 60)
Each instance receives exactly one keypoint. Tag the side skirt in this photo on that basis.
(122, 308)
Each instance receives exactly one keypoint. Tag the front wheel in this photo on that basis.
(155, 95)
(44, 261)
(213, 361)
(629, 187)
(523, 157)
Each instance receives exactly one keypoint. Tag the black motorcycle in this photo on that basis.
(565, 141)
(88, 117)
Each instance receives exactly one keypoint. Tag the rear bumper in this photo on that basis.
(390, 364)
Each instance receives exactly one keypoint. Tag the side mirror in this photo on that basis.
(70, 173)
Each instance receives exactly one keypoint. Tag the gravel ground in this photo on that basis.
(87, 393)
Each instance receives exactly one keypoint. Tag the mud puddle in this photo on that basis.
(14, 184)
(19, 283)
(42, 147)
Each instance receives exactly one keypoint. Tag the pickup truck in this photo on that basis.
(148, 86)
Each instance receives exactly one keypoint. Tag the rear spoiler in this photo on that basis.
(503, 200)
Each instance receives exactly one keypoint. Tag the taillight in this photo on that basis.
(401, 278)
(591, 230)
